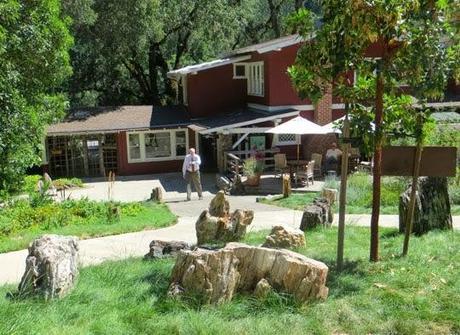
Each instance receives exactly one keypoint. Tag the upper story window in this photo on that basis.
(254, 73)
(157, 145)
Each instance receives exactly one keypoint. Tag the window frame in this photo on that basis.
(281, 143)
(255, 87)
(172, 136)
(235, 76)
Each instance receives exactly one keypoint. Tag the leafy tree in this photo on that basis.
(123, 49)
(411, 39)
(34, 60)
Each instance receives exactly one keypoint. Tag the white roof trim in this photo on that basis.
(247, 123)
(271, 45)
(206, 65)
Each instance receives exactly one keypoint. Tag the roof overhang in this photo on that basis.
(176, 74)
(248, 123)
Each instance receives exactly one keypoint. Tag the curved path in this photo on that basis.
(97, 250)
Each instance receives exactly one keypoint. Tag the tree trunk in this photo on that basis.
(377, 170)
(432, 206)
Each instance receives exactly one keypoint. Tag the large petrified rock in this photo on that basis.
(216, 275)
(51, 266)
(161, 249)
(217, 224)
(330, 194)
(219, 205)
(319, 213)
(285, 237)
(432, 206)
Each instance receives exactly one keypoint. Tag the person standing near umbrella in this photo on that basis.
(333, 155)
(191, 173)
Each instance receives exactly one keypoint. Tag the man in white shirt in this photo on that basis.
(191, 172)
(333, 156)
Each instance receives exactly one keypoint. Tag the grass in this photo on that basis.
(22, 222)
(418, 294)
(359, 195)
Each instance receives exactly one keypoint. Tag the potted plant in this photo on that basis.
(252, 169)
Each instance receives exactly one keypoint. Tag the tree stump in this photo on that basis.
(319, 213)
(330, 194)
(157, 194)
(432, 206)
(285, 237)
(51, 267)
(286, 185)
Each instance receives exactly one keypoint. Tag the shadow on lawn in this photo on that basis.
(345, 282)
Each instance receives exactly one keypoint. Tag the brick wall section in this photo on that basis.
(323, 109)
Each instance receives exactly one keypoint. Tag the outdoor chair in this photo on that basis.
(280, 164)
(306, 174)
(317, 168)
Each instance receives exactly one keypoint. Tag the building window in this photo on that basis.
(255, 75)
(286, 139)
(181, 143)
(157, 145)
(239, 71)
(134, 146)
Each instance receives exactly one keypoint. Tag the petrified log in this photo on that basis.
(216, 275)
(285, 237)
(157, 194)
(51, 267)
(432, 206)
(217, 224)
(211, 229)
(330, 194)
(319, 213)
(161, 249)
(219, 205)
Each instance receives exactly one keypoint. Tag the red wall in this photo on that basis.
(125, 168)
(214, 91)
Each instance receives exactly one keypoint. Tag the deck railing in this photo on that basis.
(235, 159)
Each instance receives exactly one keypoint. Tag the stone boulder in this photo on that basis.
(432, 206)
(217, 224)
(51, 267)
(319, 213)
(216, 275)
(285, 237)
(161, 249)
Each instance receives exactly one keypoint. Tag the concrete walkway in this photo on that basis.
(97, 250)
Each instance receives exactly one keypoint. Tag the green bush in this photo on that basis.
(22, 215)
(359, 190)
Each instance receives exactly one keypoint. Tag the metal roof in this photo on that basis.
(240, 117)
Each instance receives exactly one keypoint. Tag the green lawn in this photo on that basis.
(359, 195)
(414, 295)
(23, 222)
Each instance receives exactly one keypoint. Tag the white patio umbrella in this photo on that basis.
(298, 126)
(330, 126)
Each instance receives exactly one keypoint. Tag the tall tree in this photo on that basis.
(395, 29)
(34, 61)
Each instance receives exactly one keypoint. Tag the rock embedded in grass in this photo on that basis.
(162, 249)
(51, 267)
(285, 237)
(216, 275)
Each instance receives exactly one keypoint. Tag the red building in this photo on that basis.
(224, 105)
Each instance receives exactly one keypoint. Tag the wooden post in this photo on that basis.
(413, 194)
(85, 156)
(343, 190)
(101, 155)
(66, 148)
